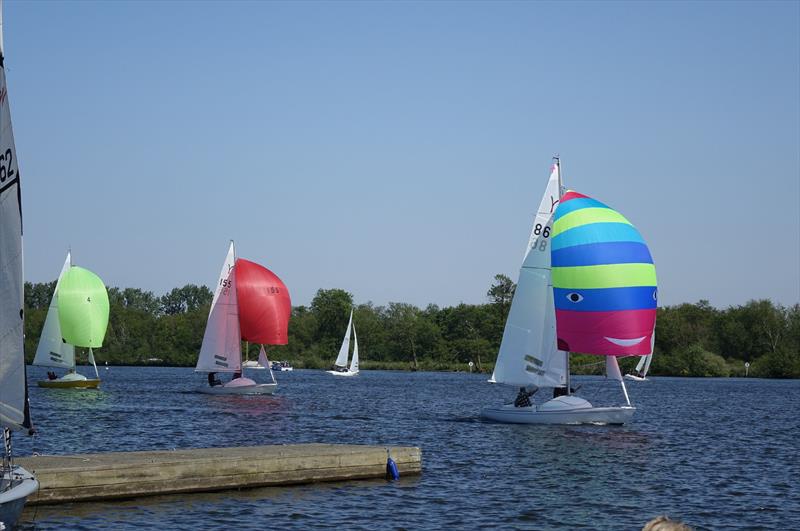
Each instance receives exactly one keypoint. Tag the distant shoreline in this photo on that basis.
(393, 367)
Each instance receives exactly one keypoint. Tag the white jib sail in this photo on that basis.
(354, 361)
(264, 362)
(221, 350)
(341, 359)
(528, 355)
(53, 351)
(12, 358)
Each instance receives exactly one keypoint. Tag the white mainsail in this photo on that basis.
(354, 361)
(221, 350)
(13, 390)
(644, 365)
(53, 351)
(341, 359)
(528, 355)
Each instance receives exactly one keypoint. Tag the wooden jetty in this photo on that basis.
(118, 475)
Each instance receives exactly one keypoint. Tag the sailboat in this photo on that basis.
(250, 303)
(587, 284)
(16, 483)
(80, 302)
(639, 373)
(340, 365)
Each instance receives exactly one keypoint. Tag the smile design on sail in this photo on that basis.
(587, 284)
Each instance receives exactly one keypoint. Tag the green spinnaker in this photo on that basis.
(82, 308)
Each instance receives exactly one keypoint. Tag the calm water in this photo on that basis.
(718, 454)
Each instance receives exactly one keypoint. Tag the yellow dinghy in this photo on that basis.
(69, 381)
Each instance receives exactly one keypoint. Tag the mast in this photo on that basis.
(561, 193)
(2, 54)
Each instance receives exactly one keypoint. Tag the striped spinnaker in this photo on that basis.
(604, 280)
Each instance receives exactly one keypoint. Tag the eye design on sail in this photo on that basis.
(655, 294)
(574, 297)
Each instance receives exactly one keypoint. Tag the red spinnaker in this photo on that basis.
(264, 304)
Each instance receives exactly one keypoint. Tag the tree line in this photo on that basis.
(691, 339)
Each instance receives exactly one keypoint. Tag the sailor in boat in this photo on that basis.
(562, 391)
(213, 381)
(524, 397)
(51, 375)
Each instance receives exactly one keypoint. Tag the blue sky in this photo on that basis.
(398, 150)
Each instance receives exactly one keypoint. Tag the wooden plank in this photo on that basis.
(117, 475)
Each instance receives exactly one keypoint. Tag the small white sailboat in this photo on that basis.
(533, 353)
(55, 352)
(257, 310)
(16, 483)
(640, 372)
(340, 365)
(256, 364)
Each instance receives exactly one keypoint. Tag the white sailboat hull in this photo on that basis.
(252, 365)
(15, 487)
(343, 373)
(635, 378)
(241, 386)
(561, 410)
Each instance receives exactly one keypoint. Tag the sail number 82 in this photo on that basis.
(6, 172)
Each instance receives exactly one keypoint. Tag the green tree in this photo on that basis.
(186, 299)
(501, 292)
(331, 310)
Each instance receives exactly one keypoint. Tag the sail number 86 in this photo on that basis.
(537, 230)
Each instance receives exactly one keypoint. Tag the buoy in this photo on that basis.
(391, 468)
